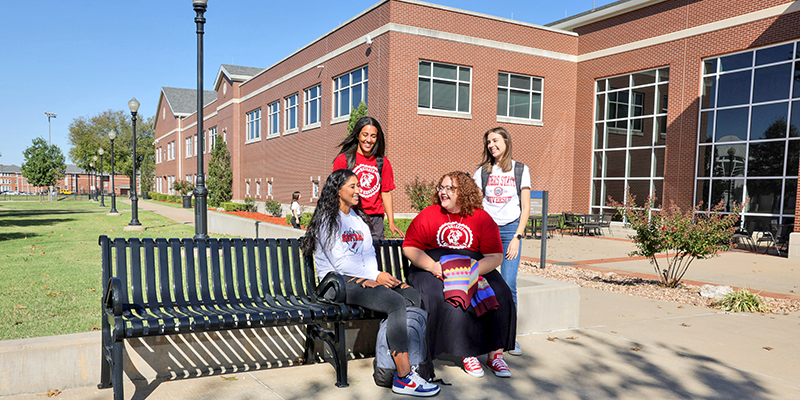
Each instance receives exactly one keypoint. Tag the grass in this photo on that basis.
(742, 301)
(50, 263)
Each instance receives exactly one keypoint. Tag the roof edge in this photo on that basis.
(600, 13)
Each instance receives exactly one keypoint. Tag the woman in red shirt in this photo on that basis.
(457, 224)
(362, 151)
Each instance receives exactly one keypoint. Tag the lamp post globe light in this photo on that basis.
(134, 225)
(102, 195)
(94, 179)
(200, 190)
(113, 135)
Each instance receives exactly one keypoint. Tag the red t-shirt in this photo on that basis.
(436, 228)
(367, 171)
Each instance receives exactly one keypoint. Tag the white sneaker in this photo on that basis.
(414, 385)
(517, 351)
(472, 366)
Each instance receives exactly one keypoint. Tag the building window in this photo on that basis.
(269, 188)
(749, 134)
(349, 90)
(212, 138)
(196, 146)
(630, 137)
(519, 96)
(273, 126)
(312, 101)
(315, 189)
(258, 189)
(254, 125)
(444, 87)
(188, 147)
(247, 184)
(290, 112)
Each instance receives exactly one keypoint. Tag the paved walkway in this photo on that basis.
(625, 348)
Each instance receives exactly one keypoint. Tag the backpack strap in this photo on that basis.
(484, 179)
(379, 160)
(519, 168)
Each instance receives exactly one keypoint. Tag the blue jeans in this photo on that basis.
(510, 268)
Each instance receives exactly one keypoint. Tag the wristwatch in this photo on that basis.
(519, 237)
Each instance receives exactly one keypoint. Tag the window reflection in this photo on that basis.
(768, 121)
(790, 196)
(734, 89)
(764, 196)
(641, 163)
(706, 126)
(704, 161)
(793, 159)
(727, 191)
(640, 189)
(615, 164)
(770, 83)
(794, 128)
(766, 158)
(736, 61)
(614, 189)
(731, 124)
(774, 54)
(729, 160)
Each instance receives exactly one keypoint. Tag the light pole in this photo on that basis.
(49, 143)
(200, 190)
(134, 225)
(113, 135)
(94, 180)
(91, 182)
(102, 195)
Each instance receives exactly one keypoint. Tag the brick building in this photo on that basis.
(688, 100)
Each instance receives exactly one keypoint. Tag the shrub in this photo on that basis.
(273, 207)
(355, 115)
(250, 204)
(682, 235)
(304, 219)
(153, 195)
(228, 206)
(742, 301)
(420, 193)
(220, 175)
(184, 187)
(401, 223)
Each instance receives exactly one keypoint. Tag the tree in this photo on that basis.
(355, 115)
(220, 175)
(147, 173)
(44, 164)
(87, 134)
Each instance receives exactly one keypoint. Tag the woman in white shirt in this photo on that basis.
(340, 238)
(509, 209)
(297, 210)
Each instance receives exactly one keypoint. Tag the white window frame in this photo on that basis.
(258, 188)
(274, 119)
(247, 186)
(530, 92)
(188, 147)
(253, 125)
(430, 110)
(269, 188)
(312, 102)
(212, 138)
(287, 113)
(341, 87)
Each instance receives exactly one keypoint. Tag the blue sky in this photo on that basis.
(80, 58)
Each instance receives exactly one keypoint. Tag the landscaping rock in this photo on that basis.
(715, 292)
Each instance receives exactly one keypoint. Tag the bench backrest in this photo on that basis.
(179, 272)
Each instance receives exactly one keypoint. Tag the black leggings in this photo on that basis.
(374, 296)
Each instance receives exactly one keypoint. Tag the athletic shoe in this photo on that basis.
(498, 366)
(414, 385)
(472, 366)
(517, 351)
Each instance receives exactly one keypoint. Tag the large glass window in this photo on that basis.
(630, 137)
(519, 96)
(254, 124)
(444, 87)
(290, 112)
(273, 119)
(349, 90)
(749, 133)
(312, 100)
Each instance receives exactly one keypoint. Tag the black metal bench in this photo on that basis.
(154, 287)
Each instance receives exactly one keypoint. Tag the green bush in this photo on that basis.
(228, 206)
(742, 301)
(401, 223)
(304, 219)
(250, 204)
(273, 208)
(420, 193)
(153, 195)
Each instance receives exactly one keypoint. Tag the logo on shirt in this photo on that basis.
(368, 179)
(499, 181)
(353, 239)
(454, 235)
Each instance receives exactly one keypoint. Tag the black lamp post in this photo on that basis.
(94, 179)
(133, 104)
(91, 180)
(113, 135)
(102, 195)
(200, 190)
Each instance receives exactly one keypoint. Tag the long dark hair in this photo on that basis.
(349, 145)
(325, 223)
(504, 161)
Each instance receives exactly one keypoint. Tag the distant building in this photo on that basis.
(687, 101)
(75, 179)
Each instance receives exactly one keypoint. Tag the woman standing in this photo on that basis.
(362, 151)
(456, 225)
(339, 236)
(506, 200)
(297, 210)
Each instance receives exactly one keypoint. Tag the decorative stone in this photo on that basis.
(715, 292)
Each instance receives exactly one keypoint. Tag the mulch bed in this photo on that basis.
(260, 217)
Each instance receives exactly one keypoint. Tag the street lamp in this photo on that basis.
(102, 195)
(91, 182)
(94, 180)
(49, 143)
(133, 104)
(200, 190)
(113, 135)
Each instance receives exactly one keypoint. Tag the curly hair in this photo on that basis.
(325, 222)
(469, 194)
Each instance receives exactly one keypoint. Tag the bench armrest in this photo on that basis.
(112, 300)
(335, 282)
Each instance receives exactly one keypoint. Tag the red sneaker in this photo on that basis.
(472, 366)
(498, 365)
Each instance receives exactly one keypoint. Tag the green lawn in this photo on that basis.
(50, 263)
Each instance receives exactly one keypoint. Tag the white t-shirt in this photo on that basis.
(296, 207)
(501, 200)
(351, 251)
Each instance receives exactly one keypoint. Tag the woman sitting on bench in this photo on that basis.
(340, 238)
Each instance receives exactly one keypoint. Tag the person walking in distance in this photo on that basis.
(297, 210)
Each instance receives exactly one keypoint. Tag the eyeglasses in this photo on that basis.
(448, 189)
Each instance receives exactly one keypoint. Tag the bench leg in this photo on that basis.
(341, 368)
(308, 355)
(105, 354)
(116, 372)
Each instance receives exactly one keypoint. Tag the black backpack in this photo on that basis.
(383, 364)
(519, 168)
(351, 163)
